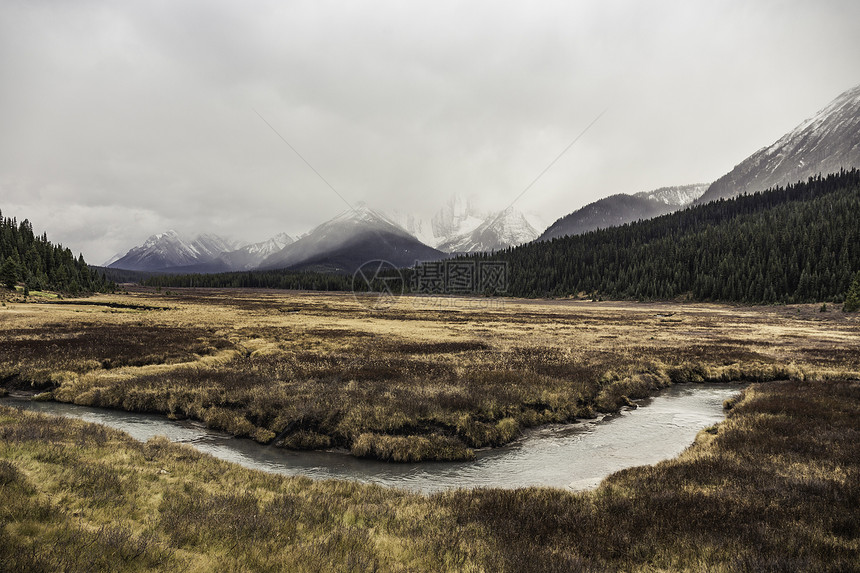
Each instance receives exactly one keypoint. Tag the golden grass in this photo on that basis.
(429, 378)
(774, 488)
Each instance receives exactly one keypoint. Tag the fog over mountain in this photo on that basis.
(121, 120)
(348, 241)
(825, 143)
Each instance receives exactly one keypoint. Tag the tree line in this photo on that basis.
(275, 279)
(41, 265)
(793, 244)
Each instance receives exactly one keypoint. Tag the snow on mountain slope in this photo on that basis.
(506, 229)
(415, 226)
(458, 226)
(349, 240)
(168, 249)
(457, 217)
(210, 246)
(251, 256)
(113, 259)
(617, 210)
(679, 195)
(824, 143)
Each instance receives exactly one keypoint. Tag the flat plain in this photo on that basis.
(773, 488)
(428, 378)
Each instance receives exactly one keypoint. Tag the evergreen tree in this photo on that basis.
(42, 265)
(9, 273)
(852, 299)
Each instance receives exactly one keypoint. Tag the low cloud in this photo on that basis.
(123, 119)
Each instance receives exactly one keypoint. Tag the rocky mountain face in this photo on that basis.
(252, 256)
(506, 229)
(456, 218)
(679, 196)
(459, 227)
(168, 249)
(825, 143)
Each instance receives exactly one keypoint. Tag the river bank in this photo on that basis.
(573, 457)
(316, 371)
(774, 487)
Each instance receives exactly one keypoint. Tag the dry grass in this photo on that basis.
(426, 379)
(79, 497)
(774, 488)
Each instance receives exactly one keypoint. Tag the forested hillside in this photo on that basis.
(41, 265)
(795, 244)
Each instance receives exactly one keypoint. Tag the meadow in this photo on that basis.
(426, 379)
(773, 488)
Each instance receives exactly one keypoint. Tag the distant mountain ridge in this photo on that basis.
(825, 143)
(460, 227)
(506, 229)
(169, 252)
(620, 209)
(349, 240)
(168, 249)
(251, 256)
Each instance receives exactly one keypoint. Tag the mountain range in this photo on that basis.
(339, 245)
(827, 142)
(169, 250)
(508, 228)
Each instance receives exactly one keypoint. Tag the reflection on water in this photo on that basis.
(576, 456)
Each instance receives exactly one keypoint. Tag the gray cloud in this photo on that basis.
(122, 119)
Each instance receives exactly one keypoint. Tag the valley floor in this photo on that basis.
(774, 487)
(429, 378)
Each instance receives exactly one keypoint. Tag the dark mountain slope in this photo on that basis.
(348, 241)
(616, 210)
(826, 143)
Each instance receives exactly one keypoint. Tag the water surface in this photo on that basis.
(575, 456)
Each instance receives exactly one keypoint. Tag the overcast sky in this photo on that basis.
(119, 120)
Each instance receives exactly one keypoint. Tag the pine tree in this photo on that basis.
(852, 299)
(9, 273)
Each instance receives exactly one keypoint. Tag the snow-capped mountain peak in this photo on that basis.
(269, 246)
(361, 215)
(169, 249)
(458, 226)
(167, 236)
(824, 143)
(497, 231)
(250, 256)
(458, 216)
(349, 240)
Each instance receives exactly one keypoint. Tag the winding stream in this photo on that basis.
(576, 456)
